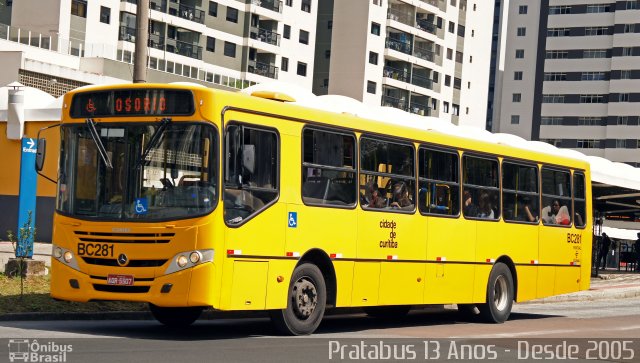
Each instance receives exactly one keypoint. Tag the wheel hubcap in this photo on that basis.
(305, 298)
(500, 293)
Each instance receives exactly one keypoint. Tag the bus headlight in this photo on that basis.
(68, 256)
(57, 252)
(181, 261)
(195, 257)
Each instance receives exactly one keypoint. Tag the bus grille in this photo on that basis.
(121, 289)
(114, 262)
(107, 237)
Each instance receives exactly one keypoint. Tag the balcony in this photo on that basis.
(422, 81)
(399, 16)
(156, 41)
(423, 53)
(269, 5)
(419, 109)
(395, 73)
(431, 2)
(426, 25)
(187, 12)
(263, 69)
(184, 48)
(264, 35)
(127, 34)
(395, 102)
(398, 45)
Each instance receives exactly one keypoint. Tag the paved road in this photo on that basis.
(606, 323)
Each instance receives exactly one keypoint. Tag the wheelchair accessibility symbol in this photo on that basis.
(293, 219)
(141, 206)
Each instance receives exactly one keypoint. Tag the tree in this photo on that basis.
(23, 246)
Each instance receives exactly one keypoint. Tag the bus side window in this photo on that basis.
(439, 182)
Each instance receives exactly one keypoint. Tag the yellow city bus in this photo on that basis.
(189, 198)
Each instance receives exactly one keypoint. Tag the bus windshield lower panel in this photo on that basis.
(175, 179)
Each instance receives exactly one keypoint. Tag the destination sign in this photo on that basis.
(133, 102)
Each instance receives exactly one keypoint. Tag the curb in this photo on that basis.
(590, 296)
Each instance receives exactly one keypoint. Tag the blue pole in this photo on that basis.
(27, 195)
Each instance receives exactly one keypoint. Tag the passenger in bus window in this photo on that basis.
(401, 197)
(485, 209)
(525, 212)
(556, 214)
(469, 209)
(372, 198)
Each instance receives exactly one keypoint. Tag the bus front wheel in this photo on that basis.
(499, 295)
(306, 301)
(176, 317)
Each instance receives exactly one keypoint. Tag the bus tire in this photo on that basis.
(387, 312)
(499, 295)
(306, 302)
(176, 317)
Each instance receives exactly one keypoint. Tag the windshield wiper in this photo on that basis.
(91, 125)
(164, 123)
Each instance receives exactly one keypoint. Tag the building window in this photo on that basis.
(551, 120)
(289, 2)
(517, 75)
(284, 64)
(373, 58)
(515, 119)
(452, 27)
(457, 83)
(447, 80)
(623, 97)
(302, 69)
(522, 31)
(522, 9)
(588, 144)
(593, 76)
(517, 97)
(621, 143)
(555, 76)
(79, 8)
(595, 31)
(627, 51)
(461, 30)
(330, 24)
(625, 74)
(371, 87)
(459, 57)
(213, 8)
(232, 15)
(558, 32)
(455, 109)
(211, 44)
(445, 107)
(105, 15)
(230, 49)
(375, 28)
(589, 121)
(551, 98)
(306, 6)
(629, 28)
(286, 33)
(304, 37)
(632, 5)
(559, 10)
(594, 53)
(599, 8)
(449, 53)
(592, 99)
(519, 53)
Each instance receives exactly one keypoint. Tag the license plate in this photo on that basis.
(126, 280)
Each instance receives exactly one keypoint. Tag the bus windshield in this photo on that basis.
(175, 178)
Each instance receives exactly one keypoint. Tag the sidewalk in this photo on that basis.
(41, 251)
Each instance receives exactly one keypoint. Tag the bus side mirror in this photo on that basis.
(40, 154)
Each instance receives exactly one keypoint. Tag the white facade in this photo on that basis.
(427, 57)
(581, 76)
(225, 43)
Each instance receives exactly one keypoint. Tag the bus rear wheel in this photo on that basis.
(176, 317)
(306, 302)
(499, 295)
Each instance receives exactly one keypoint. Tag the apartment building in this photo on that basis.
(223, 43)
(570, 75)
(428, 57)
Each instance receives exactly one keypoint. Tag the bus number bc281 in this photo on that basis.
(95, 249)
(574, 238)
